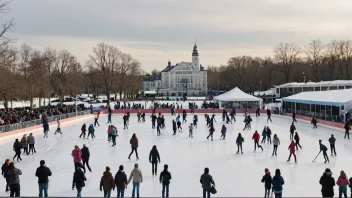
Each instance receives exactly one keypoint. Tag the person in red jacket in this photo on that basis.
(77, 158)
(292, 151)
(256, 138)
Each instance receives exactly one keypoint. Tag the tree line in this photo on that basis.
(314, 62)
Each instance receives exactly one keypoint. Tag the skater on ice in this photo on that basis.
(154, 158)
(223, 132)
(46, 129)
(267, 179)
(17, 148)
(134, 146)
(5, 167)
(14, 180)
(268, 135)
(211, 132)
(137, 178)
(195, 120)
(324, 149)
(277, 182)
(158, 126)
(297, 139)
(263, 135)
(125, 120)
(121, 182)
(190, 130)
(347, 130)
(178, 124)
(139, 116)
(239, 142)
(314, 122)
(96, 121)
(113, 133)
(207, 182)
(294, 117)
(85, 157)
(332, 141)
(78, 181)
(165, 177)
(91, 131)
(31, 143)
(153, 117)
(276, 143)
(291, 147)
(292, 130)
(174, 128)
(143, 117)
(268, 112)
(83, 129)
(256, 138)
(257, 112)
(224, 113)
(24, 144)
(77, 158)
(58, 130)
(109, 133)
(184, 116)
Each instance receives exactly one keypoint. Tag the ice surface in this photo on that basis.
(235, 175)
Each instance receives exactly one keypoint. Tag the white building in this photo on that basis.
(185, 78)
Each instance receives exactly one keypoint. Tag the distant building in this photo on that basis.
(290, 89)
(185, 78)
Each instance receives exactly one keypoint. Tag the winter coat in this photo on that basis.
(323, 147)
(327, 183)
(239, 140)
(206, 180)
(91, 129)
(347, 126)
(78, 179)
(314, 121)
(85, 153)
(195, 118)
(154, 156)
(292, 128)
(77, 155)
(17, 147)
(24, 142)
(350, 180)
(134, 142)
(136, 175)
(4, 170)
(268, 112)
(292, 147)
(120, 179)
(30, 139)
(13, 175)
(223, 130)
(107, 181)
(113, 131)
(276, 141)
(277, 183)
(165, 177)
(83, 128)
(267, 179)
(159, 120)
(264, 133)
(46, 126)
(190, 128)
(342, 182)
(332, 140)
(109, 129)
(296, 137)
(268, 132)
(43, 174)
(173, 125)
(256, 137)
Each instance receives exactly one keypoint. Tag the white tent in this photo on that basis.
(237, 95)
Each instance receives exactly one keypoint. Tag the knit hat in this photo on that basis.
(277, 172)
(135, 165)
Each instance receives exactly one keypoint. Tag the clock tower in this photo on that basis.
(195, 57)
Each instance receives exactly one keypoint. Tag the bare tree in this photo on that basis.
(346, 57)
(8, 75)
(315, 57)
(104, 60)
(286, 54)
(331, 58)
(49, 56)
(5, 25)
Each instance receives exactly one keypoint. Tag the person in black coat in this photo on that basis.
(332, 141)
(292, 130)
(350, 180)
(268, 113)
(5, 167)
(154, 157)
(174, 128)
(85, 156)
(43, 173)
(78, 181)
(17, 149)
(294, 117)
(153, 117)
(267, 179)
(120, 182)
(347, 130)
(159, 123)
(165, 177)
(83, 129)
(314, 122)
(327, 183)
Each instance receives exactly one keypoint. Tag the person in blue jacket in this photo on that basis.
(91, 131)
(277, 183)
(46, 129)
(195, 120)
(324, 149)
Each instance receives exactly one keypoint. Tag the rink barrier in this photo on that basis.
(166, 111)
(12, 135)
(325, 124)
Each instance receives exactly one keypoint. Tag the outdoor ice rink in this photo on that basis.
(234, 175)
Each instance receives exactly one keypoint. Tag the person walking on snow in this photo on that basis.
(343, 182)
(291, 147)
(190, 130)
(324, 149)
(211, 132)
(137, 178)
(85, 157)
(256, 138)
(43, 173)
(154, 158)
(107, 182)
(31, 142)
(165, 177)
(264, 135)
(327, 183)
(276, 143)
(332, 141)
(223, 132)
(297, 139)
(347, 130)
(267, 179)
(239, 142)
(121, 182)
(134, 146)
(91, 131)
(292, 130)
(83, 129)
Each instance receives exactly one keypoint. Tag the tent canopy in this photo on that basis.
(237, 95)
(332, 97)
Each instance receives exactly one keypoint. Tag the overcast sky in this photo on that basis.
(154, 31)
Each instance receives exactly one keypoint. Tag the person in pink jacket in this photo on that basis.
(109, 133)
(77, 158)
(343, 182)
(292, 151)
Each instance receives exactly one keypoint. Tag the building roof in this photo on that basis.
(265, 93)
(167, 68)
(317, 84)
(236, 94)
(195, 50)
(332, 97)
(151, 78)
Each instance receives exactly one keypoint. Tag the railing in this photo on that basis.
(22, 125)
(321, 116)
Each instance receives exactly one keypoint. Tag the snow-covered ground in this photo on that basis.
(235, 175)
